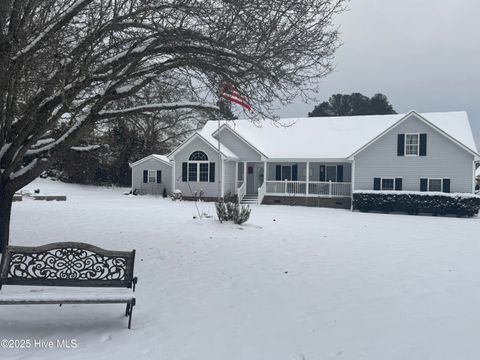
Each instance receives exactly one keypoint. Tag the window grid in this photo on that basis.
(388, 184)
(435, 185)
(411, 144)
(203, 171)
(152, 176)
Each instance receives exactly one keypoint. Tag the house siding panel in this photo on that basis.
(240, 148)
(152, 188)
(444, 159)
(210, 189)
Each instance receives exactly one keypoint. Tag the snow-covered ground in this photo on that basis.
(293, 283)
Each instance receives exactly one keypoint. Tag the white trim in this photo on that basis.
(388, 178)
(154, 176)
(405, 144)
(421, 118)
(174, 180)
(236, 178)
(441, 184)
(222, 179)
(150, 157)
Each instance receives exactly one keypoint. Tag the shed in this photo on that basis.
(151, 175)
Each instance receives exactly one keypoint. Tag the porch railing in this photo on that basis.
(241, 190)
(261, 192)
(315, 188)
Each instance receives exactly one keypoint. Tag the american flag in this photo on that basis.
(230, 93)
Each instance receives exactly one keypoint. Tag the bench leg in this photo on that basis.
(130, 315)
(127, 310)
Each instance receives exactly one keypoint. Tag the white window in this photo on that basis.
(411, 144)
(152, 176)
(388, 184)
(435, 185)
(198, 167)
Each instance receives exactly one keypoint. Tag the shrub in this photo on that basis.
(232, 211)
(417, 202)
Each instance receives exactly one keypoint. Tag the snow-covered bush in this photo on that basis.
(232, 211)
(415, 202)
(177, 195)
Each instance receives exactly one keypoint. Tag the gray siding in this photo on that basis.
(239, 148)
(152, 188)
(315, 169)
(210, 189)
(444, 159)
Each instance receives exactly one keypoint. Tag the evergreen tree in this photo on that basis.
(353, 104)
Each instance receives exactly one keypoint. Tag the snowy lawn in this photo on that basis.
(293, 283)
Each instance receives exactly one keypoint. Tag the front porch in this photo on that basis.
(293, 179)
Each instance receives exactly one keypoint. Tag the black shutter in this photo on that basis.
(423, 184)
(339, 173)
(401, 145)
(446, 185)
(294, 172)
(398, 184)
(423, 145)
(159, 176)
(376, 183)
(212, 172)
(184, 171)
(278, 172)
(145, 176)
(322, 172)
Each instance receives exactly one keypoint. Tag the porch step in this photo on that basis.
(249, 199)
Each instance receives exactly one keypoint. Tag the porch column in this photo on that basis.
(245, 173)
(236, 177)
(308, 177)
(265, 173)
(223, 178)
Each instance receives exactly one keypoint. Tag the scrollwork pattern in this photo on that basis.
(67, 264)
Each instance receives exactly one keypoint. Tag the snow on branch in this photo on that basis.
(59, 141)
(156, 107)
(65, 18)
(85, 148)
(24, 169)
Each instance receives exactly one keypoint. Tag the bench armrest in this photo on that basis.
(134, 282)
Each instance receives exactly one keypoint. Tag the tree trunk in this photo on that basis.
(6, 199)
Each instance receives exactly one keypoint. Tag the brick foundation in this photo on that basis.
(335, 202)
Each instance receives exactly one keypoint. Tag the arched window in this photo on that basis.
(198, 156)
(198, 167)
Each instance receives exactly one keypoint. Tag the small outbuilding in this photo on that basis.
(152, 175)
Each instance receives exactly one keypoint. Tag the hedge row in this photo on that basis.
(415, 203)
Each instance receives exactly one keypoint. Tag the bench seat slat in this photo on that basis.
(68, 296)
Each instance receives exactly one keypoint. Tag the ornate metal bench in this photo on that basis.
(69, 264)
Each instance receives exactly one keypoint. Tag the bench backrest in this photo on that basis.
(66, 264)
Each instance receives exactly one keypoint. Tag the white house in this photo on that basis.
(320, 161)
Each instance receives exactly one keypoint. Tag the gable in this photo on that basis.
(239, 146)
(414, 123)
(195, 144)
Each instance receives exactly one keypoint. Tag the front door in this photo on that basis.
(254, 177)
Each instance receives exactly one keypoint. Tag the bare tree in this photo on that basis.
(65, 64)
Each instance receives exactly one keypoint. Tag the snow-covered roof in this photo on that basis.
(162, 158)
(334, 137)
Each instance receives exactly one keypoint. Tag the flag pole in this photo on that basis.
(219, 163)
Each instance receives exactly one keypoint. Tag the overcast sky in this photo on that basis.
(424, 55)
